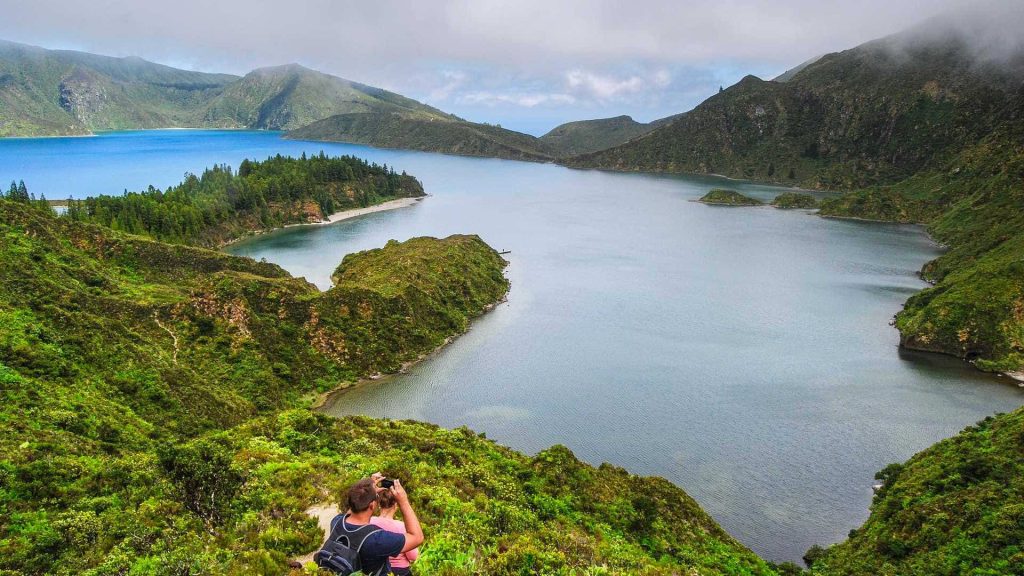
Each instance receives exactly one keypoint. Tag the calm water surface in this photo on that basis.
(743, 353)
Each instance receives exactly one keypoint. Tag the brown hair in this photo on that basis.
(361, 495)
(386, 499)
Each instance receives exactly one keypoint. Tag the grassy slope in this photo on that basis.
(956, 508)
(584, 136)
(54, 92)
(877, 113)
(142, 431)
(455, 136)
(60, 92)
(291, 96)
(448, 136)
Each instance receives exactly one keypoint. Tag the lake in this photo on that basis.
(743, 353)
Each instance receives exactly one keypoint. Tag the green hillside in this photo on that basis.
(574, 138)
(62, 92)
(878, 113)
(955, 508)
(291, 96)
(152, 418)
(431, 134)
(220, 205)
(923, 131)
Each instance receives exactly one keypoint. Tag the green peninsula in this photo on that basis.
(723, 197)
(154, 417)
(222, 205)
(794, 200)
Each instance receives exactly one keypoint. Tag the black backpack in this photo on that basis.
(340, 553)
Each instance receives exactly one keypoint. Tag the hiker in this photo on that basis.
(387, 506)
(357, 545)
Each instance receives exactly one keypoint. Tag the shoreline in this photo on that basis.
(356, 212)
(332, 219)
(321, 399)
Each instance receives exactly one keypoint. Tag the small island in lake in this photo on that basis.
(788, 200)
(722, 197)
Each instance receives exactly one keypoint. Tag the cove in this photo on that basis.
(742, 353)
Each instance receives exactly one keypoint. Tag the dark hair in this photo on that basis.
(386, 499)
(361, 495)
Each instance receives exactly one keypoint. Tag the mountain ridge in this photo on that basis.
(66, 92)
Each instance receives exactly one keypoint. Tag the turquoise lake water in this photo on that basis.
(743, 353)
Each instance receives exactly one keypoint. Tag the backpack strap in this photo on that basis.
(356, 537)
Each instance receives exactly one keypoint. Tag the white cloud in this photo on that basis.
(647, 58)
(603, 87)
(451, 81)
(525, 100)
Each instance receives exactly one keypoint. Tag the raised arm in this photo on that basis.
(413, 532)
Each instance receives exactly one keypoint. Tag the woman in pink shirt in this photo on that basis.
(400, 565)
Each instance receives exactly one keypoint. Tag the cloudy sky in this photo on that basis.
(526, 64)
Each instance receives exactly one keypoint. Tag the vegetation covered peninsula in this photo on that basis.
(221, 205)
(153, 418)
(447, 136)
(456, 136)
(791, 200)
(723, 197)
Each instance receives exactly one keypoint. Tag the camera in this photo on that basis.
(387, 483)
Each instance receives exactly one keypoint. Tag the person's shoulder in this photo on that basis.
(384, 543)
(389, 524)
(335, 520)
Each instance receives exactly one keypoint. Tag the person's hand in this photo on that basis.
(376, 477)
(399, 492)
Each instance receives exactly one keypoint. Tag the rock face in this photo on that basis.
(82, 97)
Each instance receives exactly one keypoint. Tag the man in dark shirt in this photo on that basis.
(379, 546)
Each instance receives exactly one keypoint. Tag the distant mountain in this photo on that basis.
(450, 135)
(446, 135)
(291, 96)
(574, 138)
(874, 114)
(60, 92)
(789, 74)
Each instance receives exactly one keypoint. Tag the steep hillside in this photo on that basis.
(878, 113)
(291, 96)
(221, 205)
(975, 205)
(955, 508)
(927, 129)
(574, 138)
(142, 389)
(59, 92)
(447, 136)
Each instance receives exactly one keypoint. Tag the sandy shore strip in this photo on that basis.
(346, 214)
(336, 217)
